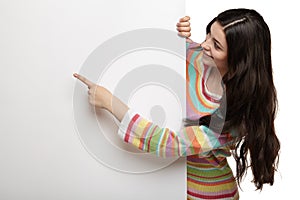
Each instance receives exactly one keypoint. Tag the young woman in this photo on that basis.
(231, 104)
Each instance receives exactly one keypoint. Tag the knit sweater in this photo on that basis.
(208, 173)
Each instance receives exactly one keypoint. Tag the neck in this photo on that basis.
(222, 72)
(214, 81)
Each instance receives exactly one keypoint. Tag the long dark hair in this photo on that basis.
(251, 101)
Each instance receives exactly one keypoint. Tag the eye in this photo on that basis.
(216, 46)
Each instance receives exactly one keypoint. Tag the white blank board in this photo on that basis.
(42, 151)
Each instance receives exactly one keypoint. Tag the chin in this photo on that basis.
(209, 62)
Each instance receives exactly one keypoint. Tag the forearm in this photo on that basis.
(164, 142)
(115, 106)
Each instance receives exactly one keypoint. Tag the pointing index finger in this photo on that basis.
(84, 80)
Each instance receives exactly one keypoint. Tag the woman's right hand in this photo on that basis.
(184, 28)
(100, 97)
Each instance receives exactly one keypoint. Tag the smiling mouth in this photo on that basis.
(207, 55)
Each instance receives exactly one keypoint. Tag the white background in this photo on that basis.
(43, 42)
(282, 18)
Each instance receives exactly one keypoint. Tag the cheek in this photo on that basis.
(221, 60)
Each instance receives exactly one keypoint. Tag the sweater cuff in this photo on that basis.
(123, 127)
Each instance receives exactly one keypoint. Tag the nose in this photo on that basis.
(205, 45)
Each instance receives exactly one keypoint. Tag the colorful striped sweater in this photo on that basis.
(208, 173)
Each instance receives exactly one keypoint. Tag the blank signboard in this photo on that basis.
(53, 144)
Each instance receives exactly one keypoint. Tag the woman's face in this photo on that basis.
(215, 48)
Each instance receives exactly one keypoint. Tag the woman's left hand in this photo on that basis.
(184, 28)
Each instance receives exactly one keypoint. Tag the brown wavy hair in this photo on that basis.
(251, 100)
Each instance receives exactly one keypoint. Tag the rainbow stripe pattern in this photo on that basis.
(208, 173)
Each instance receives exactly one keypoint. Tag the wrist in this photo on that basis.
(108, 101)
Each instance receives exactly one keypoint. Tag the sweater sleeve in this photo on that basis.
(164, 142)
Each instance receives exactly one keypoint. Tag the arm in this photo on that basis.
(164, 142)
(144, 134)
(147, 136)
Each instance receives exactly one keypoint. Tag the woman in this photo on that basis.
(242, 99)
